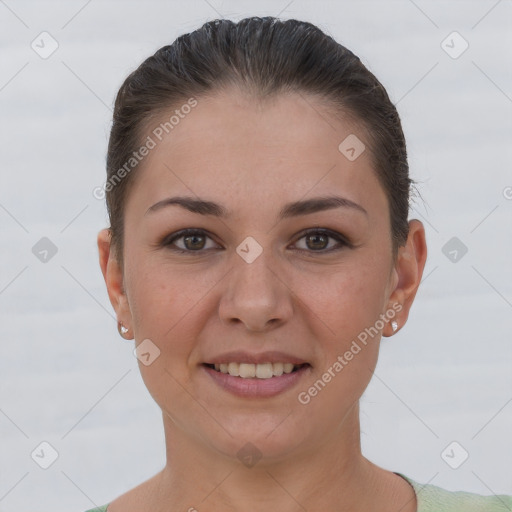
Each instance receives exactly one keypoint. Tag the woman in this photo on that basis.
(259, 248)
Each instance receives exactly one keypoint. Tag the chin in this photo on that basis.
(261, 439)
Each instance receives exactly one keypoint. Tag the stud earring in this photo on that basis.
(122, 329)
(394, 325)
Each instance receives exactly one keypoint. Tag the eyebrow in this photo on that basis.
(294, 209)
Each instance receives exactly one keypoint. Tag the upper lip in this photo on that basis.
(239, 356)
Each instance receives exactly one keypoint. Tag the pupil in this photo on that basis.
(317, 236)
(192, 237)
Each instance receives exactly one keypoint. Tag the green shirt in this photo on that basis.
(431, 498)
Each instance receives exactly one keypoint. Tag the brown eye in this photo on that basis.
(318, 241)
(194, 240)
(191, 241)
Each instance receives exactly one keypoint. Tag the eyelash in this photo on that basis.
(169, 240)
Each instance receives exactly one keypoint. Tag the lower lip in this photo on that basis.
(253, 387)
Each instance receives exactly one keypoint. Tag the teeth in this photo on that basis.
(277, 368)
(234, 369)
(245, 370)
(287, 367)
(249, 370)
(264, 371)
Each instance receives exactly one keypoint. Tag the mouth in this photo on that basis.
(256, 380)
(255, 371)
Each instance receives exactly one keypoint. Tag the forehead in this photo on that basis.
(256, 151)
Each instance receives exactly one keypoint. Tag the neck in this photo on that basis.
(327, 475)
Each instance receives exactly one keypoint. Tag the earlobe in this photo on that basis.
(409, 271)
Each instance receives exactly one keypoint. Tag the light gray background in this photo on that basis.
(67, 377)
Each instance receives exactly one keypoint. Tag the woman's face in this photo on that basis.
(251, 285)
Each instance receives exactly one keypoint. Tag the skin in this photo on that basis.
(252, 158)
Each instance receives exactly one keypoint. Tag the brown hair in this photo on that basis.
(263, 56)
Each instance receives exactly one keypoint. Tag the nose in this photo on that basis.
(256, 295)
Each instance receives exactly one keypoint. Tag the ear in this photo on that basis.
(113, 275)
(407, 274)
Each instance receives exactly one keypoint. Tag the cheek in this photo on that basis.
(161, 311)
(346, 301)
(349, 304)
(168, 307)
(156, 295)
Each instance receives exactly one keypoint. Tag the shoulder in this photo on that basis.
(98, 509)
(431, 498)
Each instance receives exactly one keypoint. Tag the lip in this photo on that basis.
(240, 356)
(254, 387)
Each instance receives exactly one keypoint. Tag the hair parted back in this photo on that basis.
(263, 56)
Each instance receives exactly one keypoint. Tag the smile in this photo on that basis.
(256, 380)
(256, 371)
